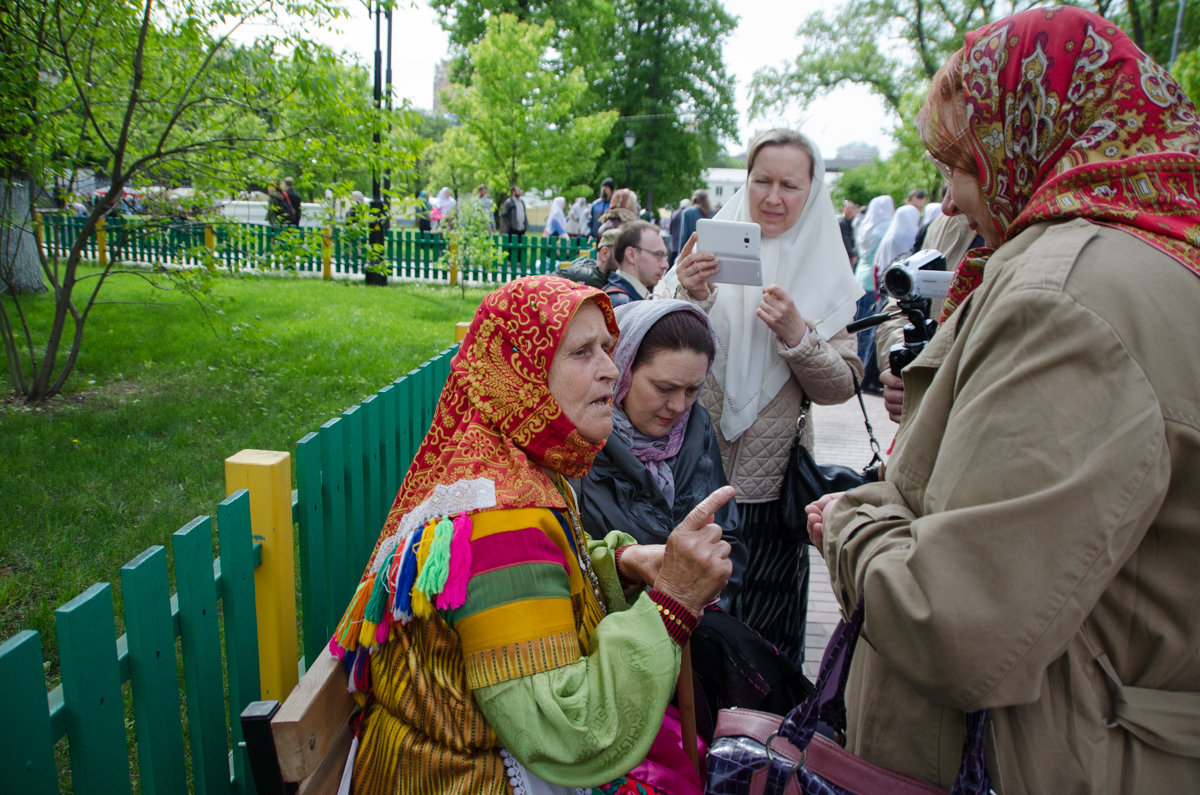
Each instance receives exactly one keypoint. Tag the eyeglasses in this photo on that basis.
(655, 254)
(946, 170)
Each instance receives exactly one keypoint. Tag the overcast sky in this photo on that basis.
(765, 36)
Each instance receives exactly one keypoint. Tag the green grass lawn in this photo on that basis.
(163, 393)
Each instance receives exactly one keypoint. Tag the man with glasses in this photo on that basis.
(641, 257)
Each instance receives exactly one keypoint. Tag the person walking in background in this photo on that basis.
(291, 203)
(779, 347)
(577, 219)
(422, 209)
(850, 211)
(443, 203)
(675, 228)
(556, 223)
(870, 233)
(484, 198)
(699, 208)
(512, 223)
(1034, 547)
(600, 205)
(641, 258)
(276, 205)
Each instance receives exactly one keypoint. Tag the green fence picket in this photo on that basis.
(91, 683)
(356, 495)
(373, 454)
(315, 605)
(389, 439)
(154, 674)
(26, 742)
(200, 643)
(236, 588)
(333, 489)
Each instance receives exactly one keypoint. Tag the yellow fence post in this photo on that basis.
(210, 245)
(267, 475)
(101, 244)
(326, 253)
(460, 331)
(37, 233)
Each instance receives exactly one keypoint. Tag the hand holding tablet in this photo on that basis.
(737, 244)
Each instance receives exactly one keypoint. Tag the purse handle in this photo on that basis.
(806, 405)
(827, 702)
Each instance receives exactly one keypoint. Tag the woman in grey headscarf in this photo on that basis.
(663, 450)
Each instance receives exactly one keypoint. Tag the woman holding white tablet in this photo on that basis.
(777, 346)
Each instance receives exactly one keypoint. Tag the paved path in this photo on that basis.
(841, 438)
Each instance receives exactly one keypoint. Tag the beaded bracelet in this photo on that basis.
(678, 620)
(626, 582)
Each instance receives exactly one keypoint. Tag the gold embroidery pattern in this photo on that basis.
(514, 660)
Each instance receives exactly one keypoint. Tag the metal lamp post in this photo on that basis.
(630, 139)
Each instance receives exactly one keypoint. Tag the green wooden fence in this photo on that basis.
(347, 475)
(408, 253)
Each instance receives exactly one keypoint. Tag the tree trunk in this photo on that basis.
(20, 264)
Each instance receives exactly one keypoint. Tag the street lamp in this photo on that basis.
(630, 138)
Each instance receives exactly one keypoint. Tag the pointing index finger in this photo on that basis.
(704, 512)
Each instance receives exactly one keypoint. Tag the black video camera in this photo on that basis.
(915, 282)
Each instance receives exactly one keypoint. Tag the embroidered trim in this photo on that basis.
(523, 782)
(678, 620)
(463, 495)
(514, 660)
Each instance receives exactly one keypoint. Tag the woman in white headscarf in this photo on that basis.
(443, 203)
(556, 223)
(779, 347)
(898, 239)
(577, 218)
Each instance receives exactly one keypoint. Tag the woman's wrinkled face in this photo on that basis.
(779, 183)
(582, 374)
(662, 388)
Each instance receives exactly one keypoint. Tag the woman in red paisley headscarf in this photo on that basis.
(496, 647)
(1034, 548)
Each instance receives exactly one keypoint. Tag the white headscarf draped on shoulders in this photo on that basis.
(899, 238)
(809, 262)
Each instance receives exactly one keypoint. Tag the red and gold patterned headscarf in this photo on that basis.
(1069, 119)
(496, 417)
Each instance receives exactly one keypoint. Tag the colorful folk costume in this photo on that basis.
(490, 640)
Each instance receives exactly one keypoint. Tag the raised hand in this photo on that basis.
(696, 563)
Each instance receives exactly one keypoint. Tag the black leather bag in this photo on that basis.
(804, 480)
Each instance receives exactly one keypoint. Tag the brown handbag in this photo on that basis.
(759, 753)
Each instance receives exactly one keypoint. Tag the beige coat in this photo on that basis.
(1040, 524)
(754, 462)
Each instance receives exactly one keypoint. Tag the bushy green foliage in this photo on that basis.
(521, 121)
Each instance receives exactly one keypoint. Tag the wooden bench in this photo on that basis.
(301, 745)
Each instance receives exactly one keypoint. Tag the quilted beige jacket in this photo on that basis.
(754, 462)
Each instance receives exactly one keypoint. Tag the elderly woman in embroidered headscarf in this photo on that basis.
(779, 347)
(492, 643)
(1034, 548)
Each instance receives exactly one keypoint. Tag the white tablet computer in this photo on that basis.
(738, 244)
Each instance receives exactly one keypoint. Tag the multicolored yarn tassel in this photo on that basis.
(345, 637)
(454, 593)
(406, 575)
(421, 606)
(436, 567)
